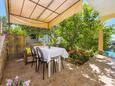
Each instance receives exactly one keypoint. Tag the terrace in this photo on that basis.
(62, 43)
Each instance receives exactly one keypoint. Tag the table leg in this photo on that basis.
(59, 63)
(49, 69)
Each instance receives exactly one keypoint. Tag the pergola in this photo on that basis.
(47, 13)
(41, 13)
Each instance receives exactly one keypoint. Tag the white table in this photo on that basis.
(53, 52)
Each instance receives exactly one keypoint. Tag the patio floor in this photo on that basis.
(96, 72)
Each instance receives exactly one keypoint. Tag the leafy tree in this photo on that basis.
(38, 32)
(69, 30)
(107, 32)
(91, 25)
(80, 30)
(113, 29)
(16, 31)
(4, 22)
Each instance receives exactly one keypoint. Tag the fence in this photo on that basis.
(15, 46)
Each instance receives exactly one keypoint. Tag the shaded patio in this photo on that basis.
(96, 72)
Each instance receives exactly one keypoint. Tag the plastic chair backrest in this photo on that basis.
(40, 53)
(33, 52)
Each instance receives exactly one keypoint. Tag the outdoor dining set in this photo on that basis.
(47, 57)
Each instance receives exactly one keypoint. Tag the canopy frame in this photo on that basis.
(13, 17)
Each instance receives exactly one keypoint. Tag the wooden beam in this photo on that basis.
(100, 41)
(34, 9)
(65, 10)
(24, 21)
(106, 17)
(76, 7)
(55, 9)
(22, 7)
(43, 6)
(45, 9)
(27, 18)
(8, 10)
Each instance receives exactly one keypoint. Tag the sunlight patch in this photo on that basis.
(95, 68)
(113, 67)
(100, 56)
(69, 66)
(108, 70)
(19, 60)
(106, 80)
(86, 76)
(111, 63)
(103, 60)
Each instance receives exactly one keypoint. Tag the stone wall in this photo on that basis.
(3, 55)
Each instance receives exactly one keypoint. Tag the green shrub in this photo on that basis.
(81, 56)
(17, 31)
